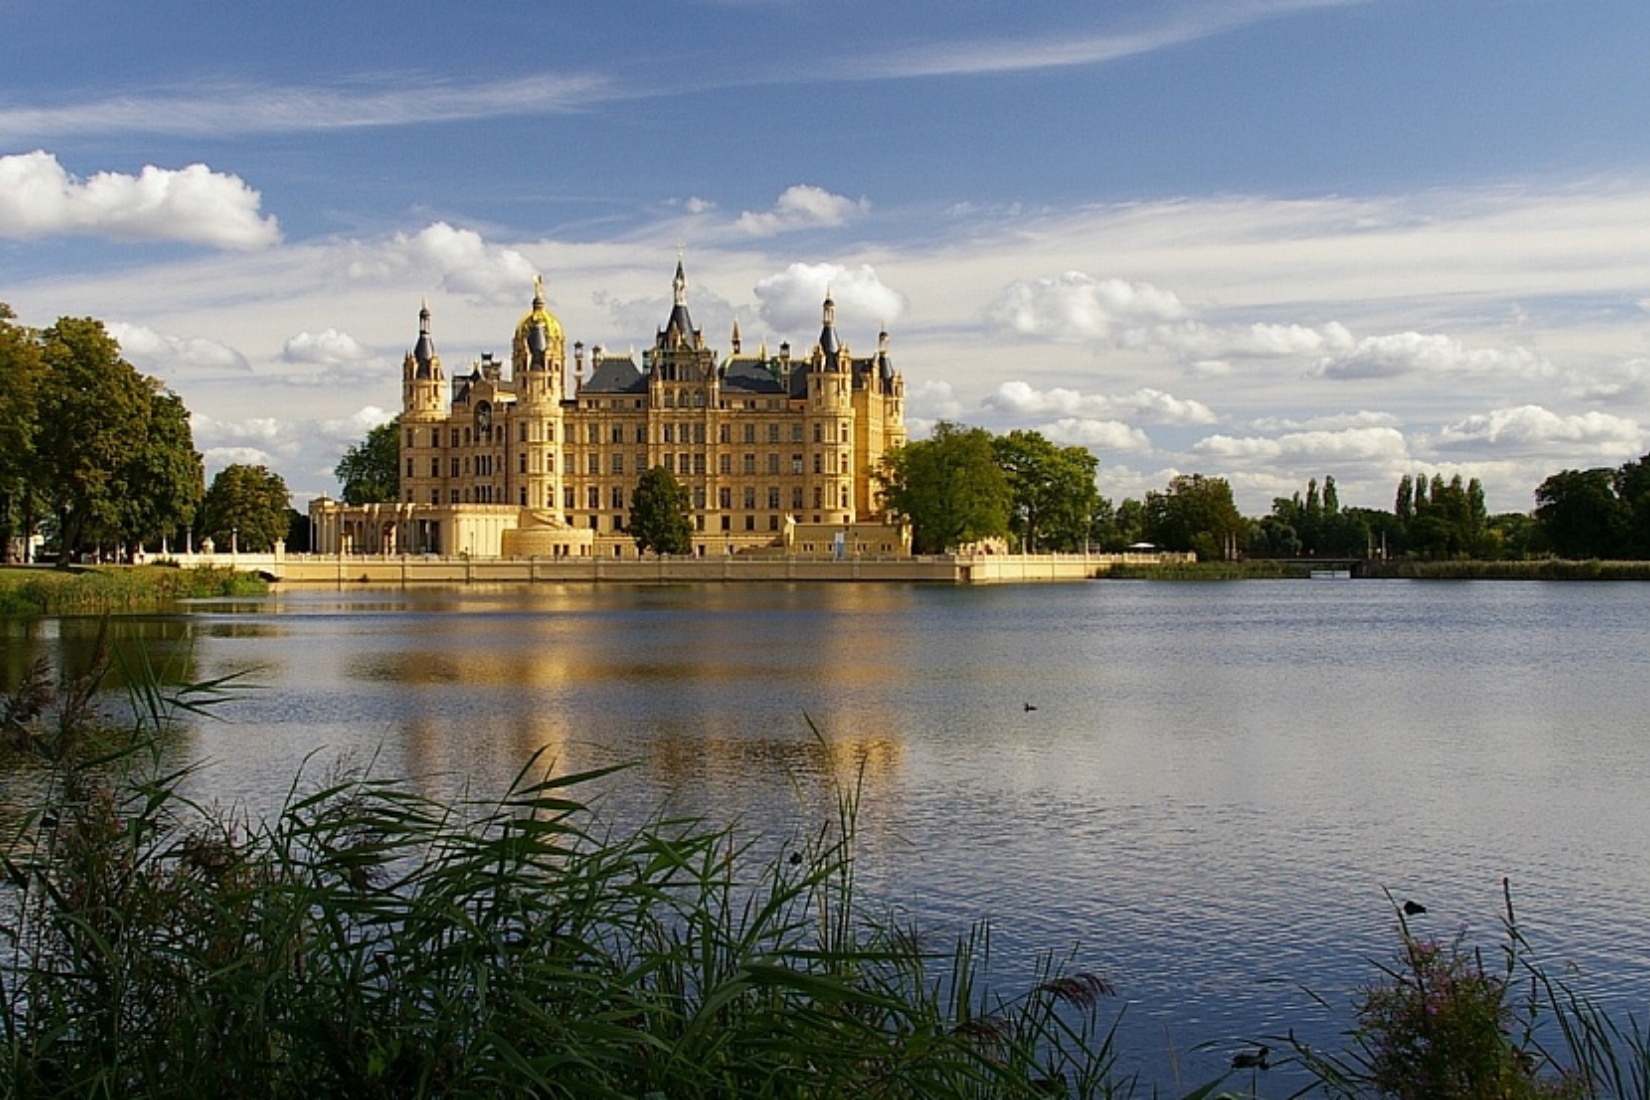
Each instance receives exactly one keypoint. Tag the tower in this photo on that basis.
(538, 364)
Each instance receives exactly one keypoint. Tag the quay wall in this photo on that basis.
(336, 570)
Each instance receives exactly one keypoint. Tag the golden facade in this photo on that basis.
(777, 451)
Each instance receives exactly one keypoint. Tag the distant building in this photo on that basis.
(777, 451)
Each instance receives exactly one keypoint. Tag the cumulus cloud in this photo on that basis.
(1106, 435)
(1363, 418)
(193, 205)
(1077, 307)
(282, 443)
(459, 261)
(932, 399)
(1145, 404)
(1284, 340)
(1628, 381)
(166, 356)
(792, 298)
(328, 347)
(1529, 428)
(1415, 353)
(802, 206)
(1348, 446)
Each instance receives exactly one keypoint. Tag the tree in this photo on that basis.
(661, 513)
(246, 508)
(1195, 513)
(112, 457)
(948, 487)
(20, 370)
(1053, 494)
(370, 471)
(1580, 514)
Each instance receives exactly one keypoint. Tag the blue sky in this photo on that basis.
(1264, 239)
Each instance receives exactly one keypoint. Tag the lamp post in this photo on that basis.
(234, 541)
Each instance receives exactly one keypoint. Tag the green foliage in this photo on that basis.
(247, 506)
(113, 454)
(1317, 526)
(1054, 498)
(661, 513)
(949, 487)
(20, 370)
(1582, 516)
(1440, 1025)
(1194, 513)
(370, 471)
(96, 591)
(370, 941)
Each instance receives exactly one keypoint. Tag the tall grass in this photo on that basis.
(370, 941)
(97, 591)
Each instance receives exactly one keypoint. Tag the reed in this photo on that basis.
(370, 941)
(99, 591)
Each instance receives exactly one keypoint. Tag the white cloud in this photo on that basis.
(1332, 422)
(217, 110)
(1076, 307)
(459, 261)
(1350, 446)
(1145, 404)
(801, 206)
(1529, 428)
(194, 205)
(165, 356)
(932, 399)
(1285, 340)
(1614, 382)
(1414, 353)
(1105, 435)
(793, 298)
(327, 347)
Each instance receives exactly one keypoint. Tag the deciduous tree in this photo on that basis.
(370, 471)
(1053, 495)
(20, 368)
(246, 507)
(949, 487)
(1194, 513)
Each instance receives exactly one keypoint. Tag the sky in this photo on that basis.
(1266, 240)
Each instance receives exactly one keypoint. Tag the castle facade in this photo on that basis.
(777, 451)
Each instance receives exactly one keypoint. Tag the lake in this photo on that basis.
(1216, 784)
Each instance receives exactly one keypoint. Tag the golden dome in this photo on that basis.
(525, 350)
(552, 327)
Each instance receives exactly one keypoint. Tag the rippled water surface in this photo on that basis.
(1216, 783)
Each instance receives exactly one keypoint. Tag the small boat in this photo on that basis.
(1331, 574)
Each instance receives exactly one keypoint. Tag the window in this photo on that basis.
(699, 433)
(641, 433)
(796, 464)
(750, 523)
(670, 399)
(618, 433)
(549, 462)
(593, 463)
(773, 433)
(724, 464)
(699, 463)
(670, 433)
(773, 523)
(819, 433)
(593, 433)
(452, 496)
(750, 433)
(521, 463)
(617, 496)
(523, 495)
(773, 497)
(670, 463)
(726, 523)
(796, 498)
(750, 464)
(819, 463)
(698, 523)
(453, 466)
(750, 497)
(773, 463)
(455, 437)
(435, 496)
(521, 432)
(819, 497)
(796, 433)
(618, 463)
(549, 433)
(409, 496)
(618, 525)
(435, 467)
(593, 497)
(595, 521)
(699, 498)
(567, 498)
(409, 437)
(725, 434)
(724, 497)
(842, 432)
(409, 468)
(844, 498)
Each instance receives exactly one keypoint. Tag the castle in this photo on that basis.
(777, 451)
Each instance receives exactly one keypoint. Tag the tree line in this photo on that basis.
(99, 458)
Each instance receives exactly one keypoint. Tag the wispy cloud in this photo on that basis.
(973, 57)
(217, 109)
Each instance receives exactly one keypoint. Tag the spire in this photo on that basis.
(680, 323)
(828, 342)
(538, 293)
(735, 341)
(424, 350)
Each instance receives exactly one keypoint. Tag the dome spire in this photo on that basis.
(424, 350)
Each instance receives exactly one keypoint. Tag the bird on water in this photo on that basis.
(1259, 1058)
(1413, 909)
(1030, 707)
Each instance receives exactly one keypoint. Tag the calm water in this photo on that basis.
(1216, 784)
